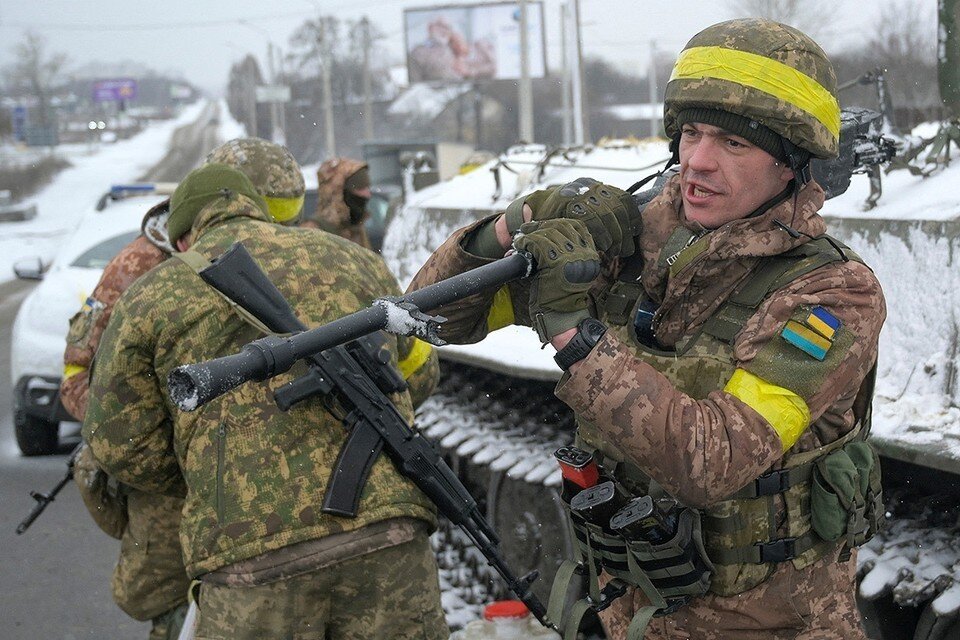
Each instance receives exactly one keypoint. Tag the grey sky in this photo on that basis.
(202, 38)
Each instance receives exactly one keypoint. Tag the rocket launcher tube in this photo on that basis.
(193, 385)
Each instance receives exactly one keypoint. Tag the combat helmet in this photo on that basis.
(271, 168)
(776, 78)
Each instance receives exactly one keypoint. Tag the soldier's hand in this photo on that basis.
(610, 214)
(566, 264)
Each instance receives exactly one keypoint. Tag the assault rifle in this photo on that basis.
(358, 376)
(43, 499)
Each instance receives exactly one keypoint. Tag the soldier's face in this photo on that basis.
(723, 177)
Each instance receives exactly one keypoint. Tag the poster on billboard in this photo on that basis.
(463, 43)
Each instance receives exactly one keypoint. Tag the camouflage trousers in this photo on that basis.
(393, 593)
(150, 579)
(813, 603)
(167, 625)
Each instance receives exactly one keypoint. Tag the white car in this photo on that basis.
(40, 329)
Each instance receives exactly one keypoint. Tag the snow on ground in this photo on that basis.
(76, 190)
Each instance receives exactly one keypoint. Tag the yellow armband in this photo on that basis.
(419, 353)
(786, 412)
(70, 370)
(501, 312)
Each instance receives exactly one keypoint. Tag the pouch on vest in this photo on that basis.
(845, 498)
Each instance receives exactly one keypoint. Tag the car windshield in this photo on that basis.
(97, 256)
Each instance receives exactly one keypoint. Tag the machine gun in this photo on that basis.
(863, 148)
(43, 499)
(358, 376)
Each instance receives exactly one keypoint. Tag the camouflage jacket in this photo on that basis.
(255, 476)
(86, 327)
(718, 443)
(332, 214)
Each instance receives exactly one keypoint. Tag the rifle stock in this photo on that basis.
(44, 499)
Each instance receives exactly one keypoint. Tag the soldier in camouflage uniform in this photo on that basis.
(269, 562)
(149, 581)
(719, 346)
(343, 190)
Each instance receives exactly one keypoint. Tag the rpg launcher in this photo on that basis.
(358, 376)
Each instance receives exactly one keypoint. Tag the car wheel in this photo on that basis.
(35, 436)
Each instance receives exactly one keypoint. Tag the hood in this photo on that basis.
(222, 211)
(154, 226)
(331, 176)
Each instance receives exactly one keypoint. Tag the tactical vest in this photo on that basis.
(739, 533)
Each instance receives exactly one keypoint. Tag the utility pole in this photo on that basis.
(652, 84)
(327, 89)
(367, 90)
(565, 75)
(525, 97)
(275, 133)
(581, 128)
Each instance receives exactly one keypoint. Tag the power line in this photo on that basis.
(152, 27)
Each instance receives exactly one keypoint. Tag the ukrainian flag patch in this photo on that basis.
(823, 322)
(806, 339)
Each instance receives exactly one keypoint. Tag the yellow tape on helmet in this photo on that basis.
(786, 412)
(419, 353)
(501, 312)
(284, 209)
(764, 74)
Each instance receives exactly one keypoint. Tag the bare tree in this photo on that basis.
(38, 70)
(904, 42)
(809, 16)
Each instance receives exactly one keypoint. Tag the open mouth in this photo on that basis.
(696, 193)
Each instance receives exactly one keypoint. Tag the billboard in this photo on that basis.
(117, 90)
(462, 43)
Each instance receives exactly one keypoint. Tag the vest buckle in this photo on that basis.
(772, 483)
(613, 590)
(777, 550)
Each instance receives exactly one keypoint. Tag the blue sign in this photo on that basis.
(117, 90)
(19, 121)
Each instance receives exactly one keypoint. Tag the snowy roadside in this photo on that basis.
(75, 191)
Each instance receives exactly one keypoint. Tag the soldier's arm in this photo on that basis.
(702, 451)
(127, 425)
(471, 319)
(88, 325)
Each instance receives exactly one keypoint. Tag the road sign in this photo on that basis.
(115, 90)
(273, 93)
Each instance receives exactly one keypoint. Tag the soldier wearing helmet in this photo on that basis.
(149, 581)
(718, 349)
(267, 561)
(343, 190)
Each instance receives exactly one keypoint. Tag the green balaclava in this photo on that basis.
(203, 186)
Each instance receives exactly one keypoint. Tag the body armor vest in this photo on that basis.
(740, 533)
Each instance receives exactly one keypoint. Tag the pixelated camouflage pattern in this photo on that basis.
(86, 327)
(718, 443)
(106, 506)
(150, 578)
(271, 167)
(256, 475)
(393, 593)
(311, 555)
(772, 40)
(814, 603)
(333, 214)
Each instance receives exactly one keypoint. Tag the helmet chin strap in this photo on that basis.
(799, 161)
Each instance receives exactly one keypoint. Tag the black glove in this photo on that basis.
(610, 214)
(566, 265)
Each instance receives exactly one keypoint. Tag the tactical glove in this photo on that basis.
(566, 264)
(610, 214)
